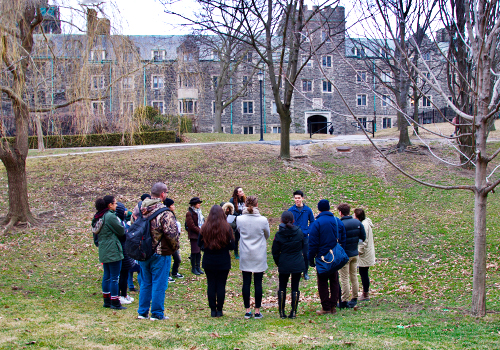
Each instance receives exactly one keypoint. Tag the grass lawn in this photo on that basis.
(50, 292)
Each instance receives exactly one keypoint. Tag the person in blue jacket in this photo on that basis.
(324, 233)
(303, 217)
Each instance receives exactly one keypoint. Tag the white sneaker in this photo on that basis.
(124, 300)
(170, 280)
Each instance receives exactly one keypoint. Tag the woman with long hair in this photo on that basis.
(287, 249)
(238, 201)
(254, 231)
(108, 229)
(216, 240)
(366, 251)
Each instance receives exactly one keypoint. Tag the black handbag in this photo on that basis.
(333, 261)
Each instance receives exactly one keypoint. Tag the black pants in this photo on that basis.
(177, 261)
(123, 282)
(305, 251)
(283, 278)
(328, 290)
(245, 291)
(216, 288)
(236, 240)
(365, 279)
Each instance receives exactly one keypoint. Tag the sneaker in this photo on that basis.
(123, 300)
(132, 289)
(129, 298)
(248, 315)
(170, 279)
(142, 317)
(236, 256)
(306, 276)
(178, 275)
(158, 318)
(258, 316)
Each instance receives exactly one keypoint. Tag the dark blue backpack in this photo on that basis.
(139, 243)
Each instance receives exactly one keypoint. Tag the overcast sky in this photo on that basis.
(143, 17)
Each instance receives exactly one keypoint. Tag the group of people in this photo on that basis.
(238, 226)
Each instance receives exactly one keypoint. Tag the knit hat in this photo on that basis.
(168, 202)
(145, 195)
(195, 200)
(120, 210)
(324, 205)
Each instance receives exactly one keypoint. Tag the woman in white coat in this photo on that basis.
(366, 251)
(254, 231)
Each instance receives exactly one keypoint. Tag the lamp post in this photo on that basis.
(261, 77)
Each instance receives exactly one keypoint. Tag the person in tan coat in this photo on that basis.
(366, 251)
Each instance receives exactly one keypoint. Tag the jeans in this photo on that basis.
(349, 272)
(110, 277)
(177, 261)
(154, 283)
(328, 290)
(245, 291)
(283, 281)
(305, 251)
(216, 288)
(365, 279)
(135, 268)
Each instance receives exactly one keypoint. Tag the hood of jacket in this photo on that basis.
(150, 205)
(286, 232)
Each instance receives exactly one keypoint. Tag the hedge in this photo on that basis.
(99, 140)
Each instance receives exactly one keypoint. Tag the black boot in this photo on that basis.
(295, 303)
(343, 305)
(194, 270)
(352, 303)
(116, 305)
(107, 299)
(198, 261)
(281, 303)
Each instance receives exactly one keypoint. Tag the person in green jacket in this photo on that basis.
(108, 228)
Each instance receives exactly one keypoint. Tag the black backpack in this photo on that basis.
(139, 243)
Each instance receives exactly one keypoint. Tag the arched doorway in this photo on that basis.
(317, 123)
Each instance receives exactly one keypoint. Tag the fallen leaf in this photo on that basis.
(330, 337)
(215, 335)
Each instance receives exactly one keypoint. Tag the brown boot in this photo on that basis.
(365, 297)
(323, 312)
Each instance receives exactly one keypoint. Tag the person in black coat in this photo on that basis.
(287, 254)
(127, 263)
(216, 240)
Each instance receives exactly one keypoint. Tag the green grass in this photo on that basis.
(421, 286)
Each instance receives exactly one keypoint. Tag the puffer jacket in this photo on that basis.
(355, 231)
(287, 249)
(110, 247)
(367, 249)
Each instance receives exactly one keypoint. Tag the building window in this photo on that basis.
(425, 75)
(327, 61)
(361, 99)
(426, 56)
(98, 107)
(247, 107)
(276, 129)
(327, 86)
(361, 77)
(248, 129)
(248, 57)
(386, 123)
(215, 55)
(307, 85)
(128, 83)
(158, 105)
(213, 108)
(97, 82)
(307, 61)
(304, 37)
(187, 81)
(97, 55)
(274, 109)
(189, 57)
(215, 81)
(246, 81)
(358, 52)
(188, 106)
(158, 55)
(384, 100)
(363, 122)
(128, 107)
(426, 101)
(325, 36)
(385, 77)
(157, 82)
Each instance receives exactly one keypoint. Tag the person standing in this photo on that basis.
(176, 257)
(254, 231)
(127, 262)
(303, 217)
(216, 240)
(194, 221)
(324, 233)
(108, 229)
(165, 241)
(366, 251)
(287, 249)
(238, 201)
(355, 232)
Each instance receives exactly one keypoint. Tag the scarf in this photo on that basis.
(100, 214)
(201, 218)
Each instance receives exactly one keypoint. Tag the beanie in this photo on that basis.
(120, 211)
(324, 205)
(168, 202)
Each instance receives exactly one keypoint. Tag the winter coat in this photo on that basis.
(110, 247)
(355, 231)
(192, 224)
(303, 218)
(367, 249)
(164, 232)
(216, 259)
(287, 249)
(323, 235)
(254, 231)
(237, 211)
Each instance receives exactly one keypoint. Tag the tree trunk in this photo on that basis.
(217, 117)
(404, 138)
(479, 269)
(39, 133)
(285, 137)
